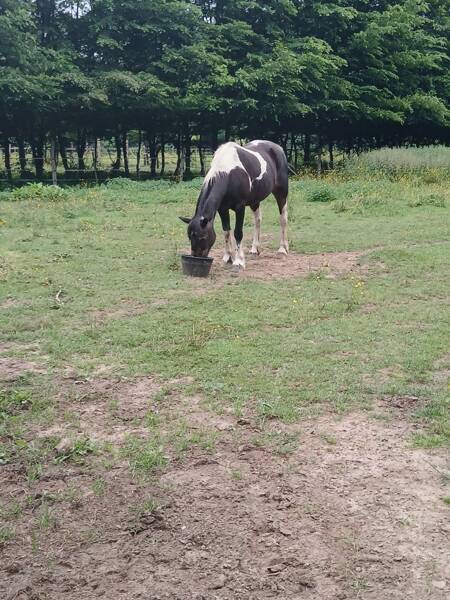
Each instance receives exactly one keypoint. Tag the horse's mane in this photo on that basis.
(216, 183)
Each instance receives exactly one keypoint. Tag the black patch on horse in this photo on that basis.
(250, 163)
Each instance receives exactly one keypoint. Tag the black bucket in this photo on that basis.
(196, 266)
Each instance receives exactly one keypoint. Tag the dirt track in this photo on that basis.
(348, 511)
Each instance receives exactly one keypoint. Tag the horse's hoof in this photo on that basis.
(282, 251)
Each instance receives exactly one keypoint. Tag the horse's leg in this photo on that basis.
(281, 198)
(257, 230)
(239, 259)
(228, 255)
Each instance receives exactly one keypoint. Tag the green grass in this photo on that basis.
(432, 163)
(280, 349)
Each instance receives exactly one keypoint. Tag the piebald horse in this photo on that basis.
(239, 176)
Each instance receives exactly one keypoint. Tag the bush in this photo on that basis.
(39, 191)
(321, 193)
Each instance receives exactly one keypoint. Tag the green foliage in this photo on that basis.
(350, 74)
(39, 191)
(320, 193)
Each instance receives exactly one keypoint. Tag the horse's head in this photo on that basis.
(201, 234)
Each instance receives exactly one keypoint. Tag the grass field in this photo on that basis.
(118, 372)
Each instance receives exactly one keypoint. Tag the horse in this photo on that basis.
(239, 176)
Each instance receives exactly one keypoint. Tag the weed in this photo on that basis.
(14, 401)
(147, 507)
(99, 486)
(6, 534)
(13, 511)
(45, 519)
(79, 449)
(329, 439)
(446, 499)
(144, 456)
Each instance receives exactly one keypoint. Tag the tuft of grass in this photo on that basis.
(184, 437)
(99, 486)
(144, 456)
(79, 449)
(45, 518)
(148, 506)
(6, 534)
(14, 401)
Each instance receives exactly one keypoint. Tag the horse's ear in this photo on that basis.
(186, 220)
(203, 222)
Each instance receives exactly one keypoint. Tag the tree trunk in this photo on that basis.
(215, 139)
(291, 149)
(62, 143)
(125, 153)
(319, 158)
(7, 151)
(307, 150)
(37, 149)
(330, 152)
(95, 158)
(118, 162)
(202, 161)
(53, 152)
(81, 149)
(153, 154)
(22, 157)
(182, 162)
(178, 148)
(227, 132)
(187, 142)
(138, 157)
(295, 148)
(163, 156)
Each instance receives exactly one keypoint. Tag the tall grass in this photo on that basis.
(431, 163)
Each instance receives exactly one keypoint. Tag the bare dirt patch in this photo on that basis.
(102, 409)
(271, 265)
(351, 511)
(127, 309)
(12, 368)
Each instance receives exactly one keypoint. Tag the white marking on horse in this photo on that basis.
(256, 231)
(225, 159)
(233, 250)
(284, 243)
(230, 247)
(262, 164)
(239, 260)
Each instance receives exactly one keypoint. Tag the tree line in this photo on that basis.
(314, 75)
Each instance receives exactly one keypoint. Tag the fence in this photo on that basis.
(101, 162)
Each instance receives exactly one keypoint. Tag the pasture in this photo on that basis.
(280, 434)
